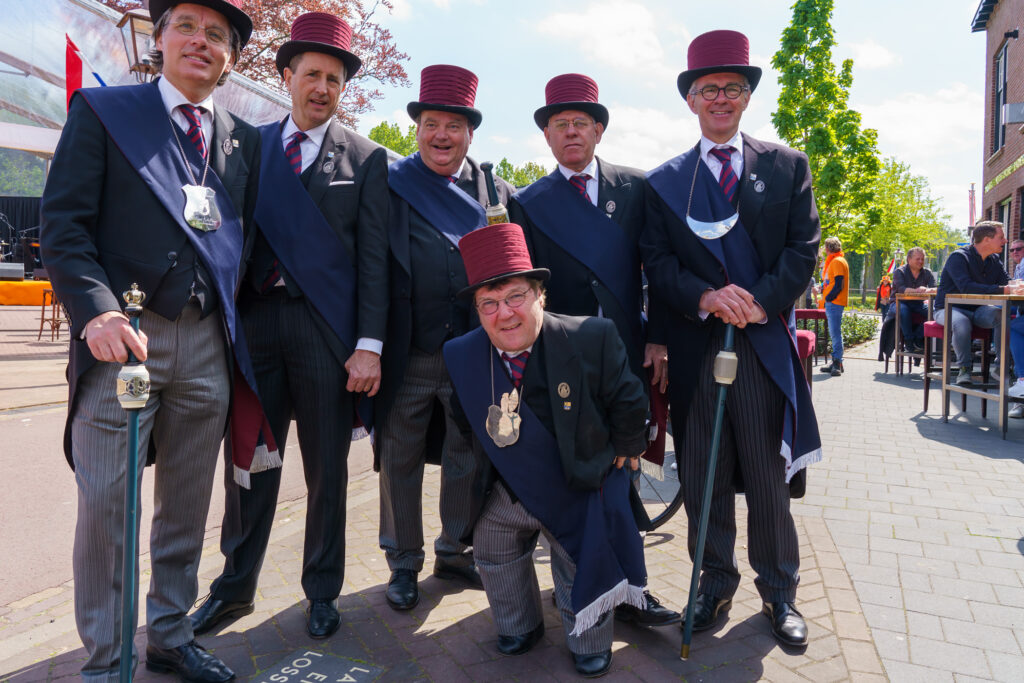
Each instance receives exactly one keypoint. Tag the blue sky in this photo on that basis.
(919, 74)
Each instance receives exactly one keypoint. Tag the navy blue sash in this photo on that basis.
(448, 209)
(302, 239)
(775, 341)
(151, 150)
(596, 528)
(588, 235)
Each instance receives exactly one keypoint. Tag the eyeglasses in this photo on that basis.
(1015, 249)
(216, 36)
(710, 92)
(581, 125)
(513, 300)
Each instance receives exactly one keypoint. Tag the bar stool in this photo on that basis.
(933, 371)
(817, 315)
(805, 342)
(51, 313)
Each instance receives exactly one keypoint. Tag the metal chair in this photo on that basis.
(52, 313)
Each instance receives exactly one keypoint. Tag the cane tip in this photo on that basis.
(684, 652)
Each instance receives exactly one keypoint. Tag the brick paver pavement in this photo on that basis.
(912, 568)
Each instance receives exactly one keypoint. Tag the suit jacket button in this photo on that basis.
(595, 283)
(172, 256)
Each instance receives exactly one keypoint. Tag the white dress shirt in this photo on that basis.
(173, 98)
(590, 169)
(310, 147)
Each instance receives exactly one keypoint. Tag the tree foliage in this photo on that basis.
(519, 176)
(814, 116)
(908, 216)
(374, 44)
(390, 135)
(22, 174)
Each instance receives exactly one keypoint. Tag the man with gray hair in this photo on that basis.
(912, 278)
(152, 184)
(974, 269)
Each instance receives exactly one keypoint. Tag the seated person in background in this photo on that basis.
(1017, 334)
(974, 269)
(910, 278)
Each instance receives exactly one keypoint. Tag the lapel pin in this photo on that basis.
(753, 176)
(609, 207)
(567, 405)
(329, 167)
(227, 147)
(563, 390)
(759, 186)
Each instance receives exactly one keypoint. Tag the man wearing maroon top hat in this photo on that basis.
(731, 237)
(152, 184)
(437, 195)
(583, 222)
(314, 310)
(555, 411)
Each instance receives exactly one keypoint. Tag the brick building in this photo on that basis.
(1003, 153)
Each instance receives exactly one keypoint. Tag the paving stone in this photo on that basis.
(948, 656)
(912, 673)
(877, 594)
(924, 625)
(861, 656)
(891, 645)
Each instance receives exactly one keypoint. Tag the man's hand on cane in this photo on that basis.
(110, 336)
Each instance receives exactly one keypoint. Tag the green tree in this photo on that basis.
(908, 216)
(813, 116)
(22, 174)
(519, 176)
(390, 135)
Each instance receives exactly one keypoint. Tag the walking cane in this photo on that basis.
(132, 393)
(725, 374)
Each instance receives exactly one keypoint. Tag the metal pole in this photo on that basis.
(132, 393)
(725, 374)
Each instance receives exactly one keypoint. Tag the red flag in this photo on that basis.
(72, 69)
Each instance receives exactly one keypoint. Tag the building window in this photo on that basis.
(999, 128)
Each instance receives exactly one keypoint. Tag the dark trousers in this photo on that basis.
(298, 375)
(750, 443)
(910, 332)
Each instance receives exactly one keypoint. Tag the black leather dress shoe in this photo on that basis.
(214, 611)
(402, 592)
(706, 609)
(788, 625)
(520, 645)
(653, 614)
(467, 574)
(322, 619)
(592, 666)
(190, 661)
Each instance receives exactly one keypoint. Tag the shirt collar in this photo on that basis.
(174, 98)
(528, 349)
(590, 169)
(707, 145)
(316, 135)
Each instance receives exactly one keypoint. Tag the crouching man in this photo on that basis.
(555, 412)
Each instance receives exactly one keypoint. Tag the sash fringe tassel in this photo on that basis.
(621, 593)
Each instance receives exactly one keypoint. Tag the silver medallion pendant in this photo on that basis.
(201, 210)
(503, 423)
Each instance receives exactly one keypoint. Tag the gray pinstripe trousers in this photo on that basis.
(402, 437)
(185, 416)
(751, 438)
(504, 539)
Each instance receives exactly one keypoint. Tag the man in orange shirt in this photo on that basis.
(836, 289)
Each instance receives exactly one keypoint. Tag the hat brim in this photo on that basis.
(236, 17)
(686, 79)
(287, 52)
(473, 115)
(537, 274)
(598, 111)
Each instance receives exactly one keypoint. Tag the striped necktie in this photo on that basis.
(193, 115)
(579, 181)
(727, 178)
(516, 366)
(293, 151)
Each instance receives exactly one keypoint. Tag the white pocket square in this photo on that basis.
(341, 182)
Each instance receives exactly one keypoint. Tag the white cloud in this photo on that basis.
(939, 135)
(647, 137)
(628, 26)
(871, 55)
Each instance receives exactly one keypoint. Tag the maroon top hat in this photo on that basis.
(718, 52)
(494, 253)
(320, 32)
(571, 91)
(444, 87)
(229, 8)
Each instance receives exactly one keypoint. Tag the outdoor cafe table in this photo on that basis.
(1004, 302)
(899, 354)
